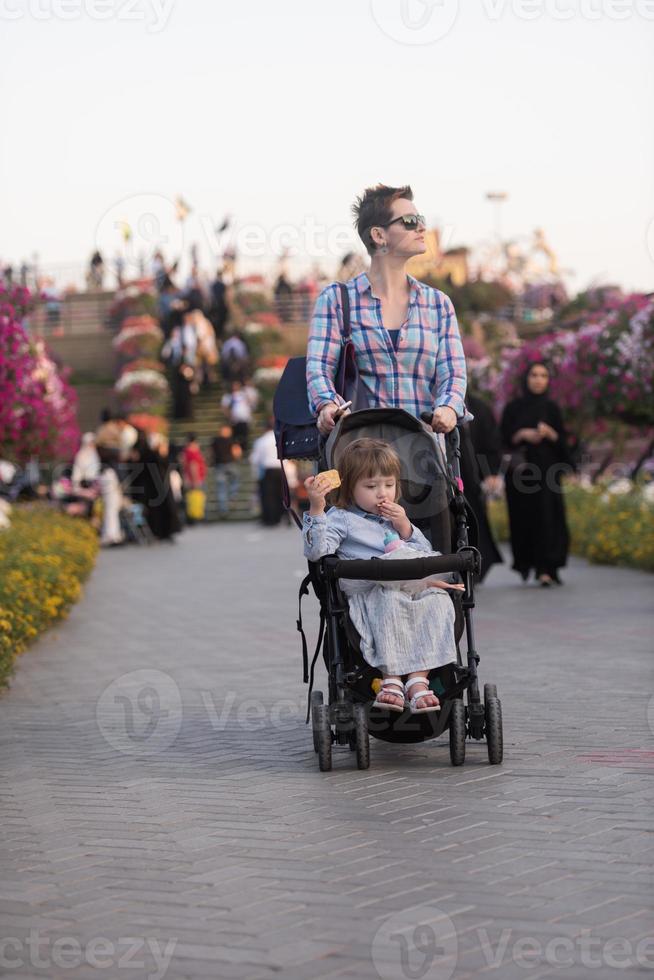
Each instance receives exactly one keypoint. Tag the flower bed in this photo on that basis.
(609, 525)
(604, 370)
(142, 391)
(139, 337)
(38, 408)
(44, 558)
(143, 364)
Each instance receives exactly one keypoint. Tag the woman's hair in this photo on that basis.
(364, 459)
(373, 207)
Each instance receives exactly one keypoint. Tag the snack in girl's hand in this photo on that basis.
(332, 478)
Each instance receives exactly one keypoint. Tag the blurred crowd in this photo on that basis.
(138, 487)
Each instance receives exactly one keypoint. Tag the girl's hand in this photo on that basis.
(397, 516)
(317, 488)
(437, 583)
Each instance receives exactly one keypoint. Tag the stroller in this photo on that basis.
(432, 495)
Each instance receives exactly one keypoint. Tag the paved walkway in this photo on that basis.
(163, 815)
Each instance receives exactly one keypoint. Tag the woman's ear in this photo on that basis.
(377, 237)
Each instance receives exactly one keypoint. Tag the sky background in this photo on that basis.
(281, 112)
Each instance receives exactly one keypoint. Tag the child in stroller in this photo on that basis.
(405, 633)
(349, 587)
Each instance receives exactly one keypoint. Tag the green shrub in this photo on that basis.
(606, 528)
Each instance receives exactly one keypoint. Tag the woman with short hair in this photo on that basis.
(405, 333)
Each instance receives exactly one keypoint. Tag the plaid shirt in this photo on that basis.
(428, 369)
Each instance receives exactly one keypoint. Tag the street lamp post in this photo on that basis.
(498, 198)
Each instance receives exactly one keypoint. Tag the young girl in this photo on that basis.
(402, 634)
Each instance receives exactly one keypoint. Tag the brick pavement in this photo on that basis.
(163, 814)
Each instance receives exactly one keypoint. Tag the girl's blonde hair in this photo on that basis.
(364, 459)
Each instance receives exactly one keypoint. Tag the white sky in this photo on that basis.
(283, 110)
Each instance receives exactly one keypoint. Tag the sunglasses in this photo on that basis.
(409, 221)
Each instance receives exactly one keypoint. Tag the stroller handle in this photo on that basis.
(376, 570)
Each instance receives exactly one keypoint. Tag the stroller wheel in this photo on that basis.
(490, 691)
(458, 732)
(316, 699)
(362, 739)
(324, 731)
(494, 734)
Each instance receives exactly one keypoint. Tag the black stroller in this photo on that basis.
(432, 494)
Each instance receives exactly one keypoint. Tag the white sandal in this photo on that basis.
(387, 684)
(421, 694)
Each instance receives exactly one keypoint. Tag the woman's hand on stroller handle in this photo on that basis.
(328, 415)
(443, 419)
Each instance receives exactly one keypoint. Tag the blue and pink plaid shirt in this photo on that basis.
(427, 370)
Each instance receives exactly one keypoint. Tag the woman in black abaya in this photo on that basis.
(150, 485)
(532, 430)
(481, 457)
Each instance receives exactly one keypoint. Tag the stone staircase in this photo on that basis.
(208, 416)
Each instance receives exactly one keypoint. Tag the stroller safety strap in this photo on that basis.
(307, 676)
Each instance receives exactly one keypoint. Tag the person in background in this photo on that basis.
(234, 358)
(180, 352)
(218, 311)
(194, 293)
(86, 464)
(533, 432)
(115, 434)
(194, 467)
(150, 485)
(207, 350)
(111, 534)
(119, 269)
(52, 299)
(239, 403)
(266, 468)
(283, 298)
(96, 271)
(225, 454)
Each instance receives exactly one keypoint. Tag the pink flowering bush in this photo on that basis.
(38, 408)
(602, 371)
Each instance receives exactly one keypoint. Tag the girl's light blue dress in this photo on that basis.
(400, 633)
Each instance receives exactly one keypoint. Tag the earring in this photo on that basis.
(383, 248)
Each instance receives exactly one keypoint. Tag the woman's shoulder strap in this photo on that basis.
(345, 310)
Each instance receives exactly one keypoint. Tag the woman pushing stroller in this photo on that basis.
(405, 633)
